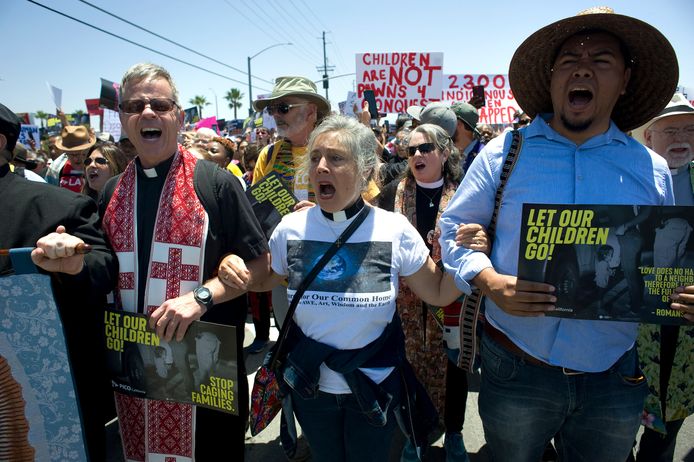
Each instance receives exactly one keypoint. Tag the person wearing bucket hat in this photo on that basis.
(584, 79)
(183, 214)
(666, 351)
(297, 109)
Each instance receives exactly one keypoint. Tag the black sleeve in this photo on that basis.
(242, 231)
(100, 265)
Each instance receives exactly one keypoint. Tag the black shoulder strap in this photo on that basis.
(312, 275)
(469, 313)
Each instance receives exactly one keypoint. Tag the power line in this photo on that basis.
(289, 33)
(292, 21)
(170, 41)
(139, 45)
(270, 31)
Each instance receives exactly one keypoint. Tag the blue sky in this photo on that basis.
(475, 38)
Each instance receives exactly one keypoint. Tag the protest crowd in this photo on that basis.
(395, 275)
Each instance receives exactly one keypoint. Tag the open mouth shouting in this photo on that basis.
(326, 190)
(150, 133)
(580, 97)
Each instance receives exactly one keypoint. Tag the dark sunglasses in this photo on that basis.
(135, 106)
(424, 148)
(282, 108)
(99, 160)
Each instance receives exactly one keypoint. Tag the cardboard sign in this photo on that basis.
(400, 80)
(500, 103)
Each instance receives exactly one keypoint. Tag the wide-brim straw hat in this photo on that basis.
(75, 138)
(678, 105)
(295, 86)
(654, 68)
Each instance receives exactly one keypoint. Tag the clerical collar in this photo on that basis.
(436, 184)
(158, 170)
(345, 214)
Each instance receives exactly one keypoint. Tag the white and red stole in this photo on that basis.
(158, 431)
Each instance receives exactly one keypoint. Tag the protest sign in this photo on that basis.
(202, 369)
(110, 123)
(500, 103)
(29, 132)
(190, 115)
(605, 267)
(38, 396)
(270, 199)
(56, 95)
(93, 108)
(400, 80)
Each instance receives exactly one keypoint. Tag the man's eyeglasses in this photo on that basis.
(99, 161)
(282, 108)
(424, 148)
(672, 131)
(136, 106)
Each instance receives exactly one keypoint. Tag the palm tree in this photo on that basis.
(234, 96)
(199, 101)
(41, 116)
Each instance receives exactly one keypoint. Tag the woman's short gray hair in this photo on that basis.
(148, 71)
(356, 138)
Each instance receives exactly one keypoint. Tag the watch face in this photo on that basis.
(203, 294)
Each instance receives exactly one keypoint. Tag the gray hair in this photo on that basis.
(452, 170)
(148, 71)
(356, 138)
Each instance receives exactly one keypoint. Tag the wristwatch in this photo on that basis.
(203, 296)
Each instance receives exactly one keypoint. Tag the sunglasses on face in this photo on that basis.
(136, 106)
(424, 148)
(282, 108)
(99, 161)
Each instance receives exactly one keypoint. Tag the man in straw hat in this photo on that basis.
(170, 218)
(584, 80)
(666, 351)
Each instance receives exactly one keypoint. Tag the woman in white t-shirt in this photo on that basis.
(342, 357)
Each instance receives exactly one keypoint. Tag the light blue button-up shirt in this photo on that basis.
(610, 168)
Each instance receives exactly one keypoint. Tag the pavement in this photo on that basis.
(265, 447)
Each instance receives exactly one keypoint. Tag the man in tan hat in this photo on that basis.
(170, 218)
(585, 80)
(67, 170)
(667, 362)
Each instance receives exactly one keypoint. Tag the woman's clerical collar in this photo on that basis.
(345, 214)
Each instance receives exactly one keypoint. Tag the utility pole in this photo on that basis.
(325, 69)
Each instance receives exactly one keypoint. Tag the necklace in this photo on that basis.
(432, 197)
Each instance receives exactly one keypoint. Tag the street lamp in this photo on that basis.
(216, 110)
(250, 90)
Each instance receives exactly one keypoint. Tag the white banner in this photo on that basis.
(400, 80)
(500, 103)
